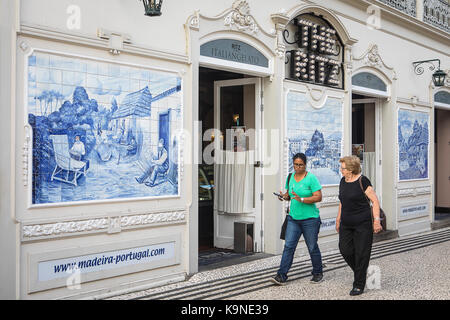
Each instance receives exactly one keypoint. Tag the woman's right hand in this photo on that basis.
(338, 223)
(285, 196)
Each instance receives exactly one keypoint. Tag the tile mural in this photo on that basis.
(318, 134)
(102, 130)
(413, 141)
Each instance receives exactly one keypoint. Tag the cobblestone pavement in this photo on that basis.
(412, 267)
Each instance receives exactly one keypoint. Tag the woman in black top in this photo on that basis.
(354, 221)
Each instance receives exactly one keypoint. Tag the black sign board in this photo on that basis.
(315, 59)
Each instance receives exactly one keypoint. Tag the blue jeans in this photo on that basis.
(310, 230)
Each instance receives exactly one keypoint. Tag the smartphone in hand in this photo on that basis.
(279, 195)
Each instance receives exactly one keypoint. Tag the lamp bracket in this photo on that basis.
(418, 69)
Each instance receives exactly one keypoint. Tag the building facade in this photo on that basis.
(133, 142)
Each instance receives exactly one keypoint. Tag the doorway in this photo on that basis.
(442, 165)
(229, 177)
(365, 141)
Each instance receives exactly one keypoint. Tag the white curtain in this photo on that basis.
(369, 167)
(234, 182)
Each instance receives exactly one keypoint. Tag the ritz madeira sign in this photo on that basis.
(316, 56)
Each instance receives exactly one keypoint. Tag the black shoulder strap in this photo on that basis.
(362, 189)
(289, 179)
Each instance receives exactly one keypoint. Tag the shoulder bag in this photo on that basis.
(382, 214)
(284, 226)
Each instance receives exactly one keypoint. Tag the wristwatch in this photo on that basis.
(302, 200)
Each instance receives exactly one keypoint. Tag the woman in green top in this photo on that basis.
(303, 190)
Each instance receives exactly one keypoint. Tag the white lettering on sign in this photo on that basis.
(328, 224)
(413, 210)
(55, 269)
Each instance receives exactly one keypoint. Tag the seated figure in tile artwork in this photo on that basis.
(158, 165)
(77, 151)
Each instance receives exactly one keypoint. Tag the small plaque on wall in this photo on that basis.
(75, 266)
(413, 210)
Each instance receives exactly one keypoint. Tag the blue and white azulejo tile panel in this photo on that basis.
(102, 130)
(317, 133)
(413, 141)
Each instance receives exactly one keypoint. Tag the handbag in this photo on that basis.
(284, 226)
(382, 214)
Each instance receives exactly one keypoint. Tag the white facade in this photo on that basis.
(34, 237)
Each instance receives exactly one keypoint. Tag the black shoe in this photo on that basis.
(278, 280)
(356, 291)
(317, 278)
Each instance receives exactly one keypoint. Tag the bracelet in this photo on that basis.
(377, 219)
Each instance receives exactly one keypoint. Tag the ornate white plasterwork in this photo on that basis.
(280, 20)
(64, 228)
(332, 200)
(413, 192)
(101, 225)
(372, 58)
(240, 18)
(153, 218)
(25, 154)
(194, 20)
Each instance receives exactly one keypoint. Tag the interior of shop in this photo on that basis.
(363, 135)
(442, 164)
(236, 114)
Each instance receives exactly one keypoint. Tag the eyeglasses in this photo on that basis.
(299, 165)
(343, 168)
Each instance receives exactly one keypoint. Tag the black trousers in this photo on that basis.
(355, 245)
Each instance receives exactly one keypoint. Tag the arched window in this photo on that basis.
(366, 81)
(442, 97)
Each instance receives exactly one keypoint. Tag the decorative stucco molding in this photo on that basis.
(447, 78)
(239, 18)
(64, 228)
(194, 20)
(101, 225)
(280, 20)
(236, 19)
(25, 154)
(332, 200)
(153, 218)
(372, 59)
(97, 42)
(413, 192)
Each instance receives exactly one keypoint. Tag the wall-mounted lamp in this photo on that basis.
(438, 76)
(152, 7)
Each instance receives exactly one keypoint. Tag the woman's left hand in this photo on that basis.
(377, 226)
(296, 197)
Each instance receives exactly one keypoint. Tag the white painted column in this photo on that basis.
(8, 226)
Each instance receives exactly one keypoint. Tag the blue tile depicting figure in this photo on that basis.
(102, 130)
(413, 141)
(316, 132)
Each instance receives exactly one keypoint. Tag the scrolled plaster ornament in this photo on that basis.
(52, 229)
(64, 229)
(240, 18)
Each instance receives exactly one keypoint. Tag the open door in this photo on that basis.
(237, 169)
(366, 138)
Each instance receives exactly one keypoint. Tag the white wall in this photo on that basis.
(8, 226)
(398, 45)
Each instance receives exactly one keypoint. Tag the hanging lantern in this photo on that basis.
(152, 7)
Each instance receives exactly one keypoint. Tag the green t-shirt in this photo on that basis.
(304, 189)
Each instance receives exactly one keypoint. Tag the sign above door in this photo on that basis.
(235, 51)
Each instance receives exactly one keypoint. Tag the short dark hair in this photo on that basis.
(300, 156)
